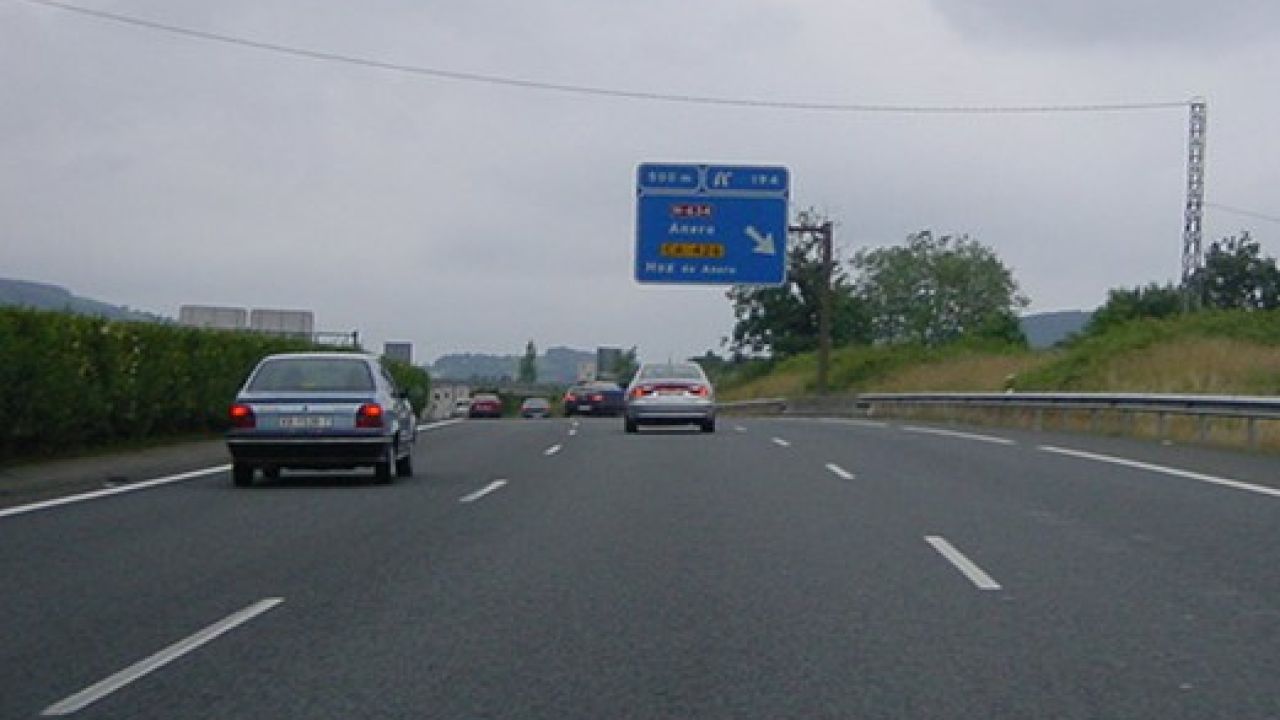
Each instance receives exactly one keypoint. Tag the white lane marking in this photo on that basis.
(839, 471)
(1189, 474)
(491, 487)
(552, 450)
(96, 692)
(956, 434)
(573, 431)
(962, 563)
(739, 428)
(131, 487)
(439, 424)
(780, 442)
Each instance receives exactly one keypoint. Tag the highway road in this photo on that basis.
(781, 568)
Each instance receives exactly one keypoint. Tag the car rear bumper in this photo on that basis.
(644, 412)
(311, 452)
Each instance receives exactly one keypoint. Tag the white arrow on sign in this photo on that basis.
(764, 243)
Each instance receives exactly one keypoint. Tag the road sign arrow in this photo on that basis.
(764, 243)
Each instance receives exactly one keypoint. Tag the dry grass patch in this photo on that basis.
(1200, 365)
(979, 373)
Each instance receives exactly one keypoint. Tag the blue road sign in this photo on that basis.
(711, 224)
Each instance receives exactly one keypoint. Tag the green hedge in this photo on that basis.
(70, 382)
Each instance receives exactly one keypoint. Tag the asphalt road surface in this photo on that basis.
(561, 569)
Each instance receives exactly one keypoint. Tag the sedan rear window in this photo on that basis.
(671, 372)
(308, 374)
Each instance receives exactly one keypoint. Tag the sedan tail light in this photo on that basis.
(242, 416)
(597, 398)
(700, 390)
(640, 391)
(369, 416)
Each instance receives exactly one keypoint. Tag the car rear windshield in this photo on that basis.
(308, 374)
(536, 403)
(671, 372)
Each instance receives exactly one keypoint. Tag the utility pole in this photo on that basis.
(823, 233)
(1192, 237)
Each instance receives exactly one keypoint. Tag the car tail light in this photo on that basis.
(242, 416)
(700, 390)
(570, 397)
(597, 398)
(369, 416)
(640, 391)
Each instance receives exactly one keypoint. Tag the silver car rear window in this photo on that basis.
(308, 374)
(671, 372)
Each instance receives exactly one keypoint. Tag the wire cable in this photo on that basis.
(1242, 211)
(529, 84)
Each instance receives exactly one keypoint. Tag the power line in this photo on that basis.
(529, 84)
(1242, 211)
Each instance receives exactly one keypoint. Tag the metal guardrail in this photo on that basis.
(1250, 408)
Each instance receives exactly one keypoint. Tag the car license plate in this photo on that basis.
(584, 408)
(670, 392)
(305, 421)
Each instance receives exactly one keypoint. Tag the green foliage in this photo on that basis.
(628, 364)
(1236, 276)
(411, 379)
(1123, 305)
(935, 290)
(70, 382)
(783, 321)
(1080, 364)
(528, 372)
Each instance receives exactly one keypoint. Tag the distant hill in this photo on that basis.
(43, 296)
(556, 365)
(1047, 329)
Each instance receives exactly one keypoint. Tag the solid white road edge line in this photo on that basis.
(440, 424)
(96, 692)
(551, 450)
(853, 421)
(962, 563)
(1189, 474)
(131, 487)
(780, 442)
(491, 487)
(739, 428)
(839, 471)
(956, 434)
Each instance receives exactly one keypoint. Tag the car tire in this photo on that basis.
(630, 425)
(709, 426)
(382, 471)
(404, 466)
(242, 474)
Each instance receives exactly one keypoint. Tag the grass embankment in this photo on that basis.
(1219, 353)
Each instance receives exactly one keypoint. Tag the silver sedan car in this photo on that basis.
(321, 410)
(670, 394)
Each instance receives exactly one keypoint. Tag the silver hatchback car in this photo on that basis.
(670, 394)
(321, 410)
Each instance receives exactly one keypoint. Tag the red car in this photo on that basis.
(485, 405)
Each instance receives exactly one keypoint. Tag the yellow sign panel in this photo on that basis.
(699, 251)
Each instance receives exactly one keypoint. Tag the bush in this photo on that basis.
(71, 382)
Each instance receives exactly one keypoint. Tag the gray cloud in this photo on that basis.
(1189, 26)
(154, 170)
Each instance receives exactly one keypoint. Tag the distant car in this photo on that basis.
(535, 407)
(670, 394)
(320, 410)
(485, 405)
(461, 408)
(594, 398)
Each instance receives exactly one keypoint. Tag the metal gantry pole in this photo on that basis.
(1193, 218)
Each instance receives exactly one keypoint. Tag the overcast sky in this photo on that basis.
(144, 168)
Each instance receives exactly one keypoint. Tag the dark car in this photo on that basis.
(595, 398)
(485, 405)
(320, 410)
(535, 407)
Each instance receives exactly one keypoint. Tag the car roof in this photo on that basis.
(322, 355)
